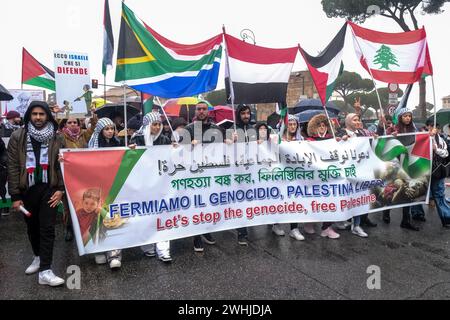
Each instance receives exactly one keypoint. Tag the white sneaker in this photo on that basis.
(115, 264)
(48, 277)
(165, 257)
(277, 230)
(100, 258)
(34, 266)
(343, 225)
(295, 233)
(359, 232)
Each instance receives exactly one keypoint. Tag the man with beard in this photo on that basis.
(245, 132)
(203, 130)
(35, 183)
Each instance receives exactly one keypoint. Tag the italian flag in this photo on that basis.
(328, 66)
(415, 158)
(35, 73)
(402, 58)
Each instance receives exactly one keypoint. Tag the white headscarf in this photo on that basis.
(145, 130)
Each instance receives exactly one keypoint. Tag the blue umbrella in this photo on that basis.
(314, 104)
(305, 116)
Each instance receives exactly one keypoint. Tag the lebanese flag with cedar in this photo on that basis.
(393, 57)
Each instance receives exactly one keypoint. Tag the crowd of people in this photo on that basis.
(31, 164)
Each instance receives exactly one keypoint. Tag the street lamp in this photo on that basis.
(248, 34)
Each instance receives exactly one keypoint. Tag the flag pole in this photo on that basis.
(230, 82)
(21, 84)
(373, 79)
(125, 113)
(167, 118)
(104, 87)
(434, 101)
(331, 123)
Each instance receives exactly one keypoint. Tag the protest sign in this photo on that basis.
(73, 79)
(135, 197)
(21, 101)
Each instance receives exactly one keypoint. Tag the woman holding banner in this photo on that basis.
(104, 137)
(292, 133)
(319, 129)
(405, 125)
(150, 134)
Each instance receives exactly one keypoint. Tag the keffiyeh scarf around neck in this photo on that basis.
(10, 126)
(38, 173)
(72, 134)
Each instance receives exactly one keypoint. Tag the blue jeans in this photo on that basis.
(442, 206)
(356, 221)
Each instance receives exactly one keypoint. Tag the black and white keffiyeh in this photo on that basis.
(38, 173)
(8, 125)
(101, 124)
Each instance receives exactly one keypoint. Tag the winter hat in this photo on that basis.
(135, 123)
(403, 111)
(12, 115)
(313, 124)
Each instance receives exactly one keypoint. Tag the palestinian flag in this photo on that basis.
(328, 66)
(284, 119)
(413, 155)
(35, 73)
(108, 40)
(257, 74)
(393, 57)
(147, 103)
(148, 62)
(120, 164)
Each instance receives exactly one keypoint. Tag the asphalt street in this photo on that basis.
(413, 265)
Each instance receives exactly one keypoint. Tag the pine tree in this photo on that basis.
(385, 57)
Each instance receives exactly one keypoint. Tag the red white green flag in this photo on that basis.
(415, 157)
(35, 73)
(393, 57)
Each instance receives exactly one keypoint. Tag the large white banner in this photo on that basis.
(125, 198)
(21, 101)
(73, 82)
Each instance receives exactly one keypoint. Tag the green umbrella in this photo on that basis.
(442, 117)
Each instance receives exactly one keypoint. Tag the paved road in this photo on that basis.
(414, 265)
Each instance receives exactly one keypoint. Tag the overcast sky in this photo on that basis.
(76, 25)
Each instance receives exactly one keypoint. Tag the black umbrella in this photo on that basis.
(5, 95)
(314, 104)
(110, 110)
(305, 116)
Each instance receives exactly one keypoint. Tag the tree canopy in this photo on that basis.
(359, 10)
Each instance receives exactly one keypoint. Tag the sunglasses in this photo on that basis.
(72, 122)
